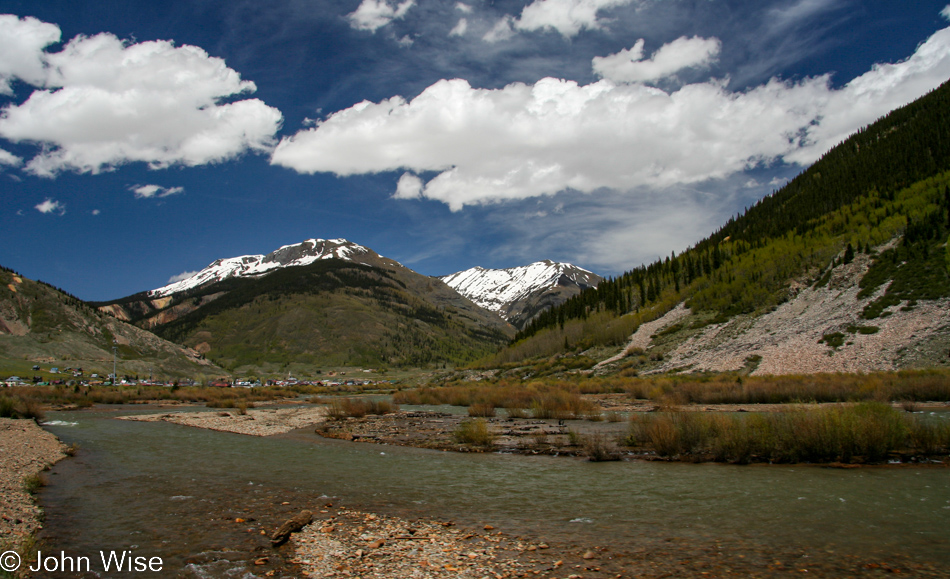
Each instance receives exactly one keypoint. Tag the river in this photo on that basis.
(159, 489)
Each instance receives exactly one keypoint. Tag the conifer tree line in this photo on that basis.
(844, 202)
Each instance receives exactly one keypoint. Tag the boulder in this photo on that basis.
(292, 525)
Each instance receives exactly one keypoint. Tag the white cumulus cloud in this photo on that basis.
(409, 187)
(50, 206)
(502, 30)
(8, 159)
(460, 28)
(568, 17)
(182, 276)
(521, 141)
(629, 65)
(105, 102)
(21, 50)
(156, 191)
(374, 14)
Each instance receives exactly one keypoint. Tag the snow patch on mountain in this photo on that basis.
(497, 290)
(298, 254)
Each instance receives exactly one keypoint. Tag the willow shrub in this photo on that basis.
(869, 431)
(474, 432)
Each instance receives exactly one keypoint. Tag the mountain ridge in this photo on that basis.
(518, 294)
(297, 254)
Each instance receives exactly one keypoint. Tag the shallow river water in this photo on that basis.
(160, 489)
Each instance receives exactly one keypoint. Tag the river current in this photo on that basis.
(160, 489)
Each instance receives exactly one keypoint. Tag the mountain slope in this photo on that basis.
(880, 199)
(39, 323)
(330, 311)
(518, 294)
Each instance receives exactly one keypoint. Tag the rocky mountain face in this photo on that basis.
(518, 294)
(43, 324)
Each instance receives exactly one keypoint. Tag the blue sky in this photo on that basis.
(142, 140)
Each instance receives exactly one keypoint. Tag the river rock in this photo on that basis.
(294, 524)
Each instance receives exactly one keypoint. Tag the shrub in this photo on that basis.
(32, 483)
(474, 432)
(869, 431)
(221, 403)
(599, 448)
(928, 436)
(340, 408)
(516, 412)
(19, 407)
(481, 410)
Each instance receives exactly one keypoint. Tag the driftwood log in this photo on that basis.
(292, 525)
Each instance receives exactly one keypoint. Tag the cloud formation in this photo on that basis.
(460, 28)
(156, 191)
(374, 14)
(50, 206)
(8, 159)
(103, 102)
(521, 141)
(568, 17)
(182, 276)
(21, 50)
(629, 66)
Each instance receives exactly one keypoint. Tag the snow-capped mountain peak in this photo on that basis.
(517, 292)
(303, 253)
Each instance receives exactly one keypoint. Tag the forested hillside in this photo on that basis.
(888, 181)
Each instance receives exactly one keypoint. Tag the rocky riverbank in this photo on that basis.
(442, 431)
(26, 450)
(353, 543)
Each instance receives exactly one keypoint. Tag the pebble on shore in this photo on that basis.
(351, 543)
(25, 451)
